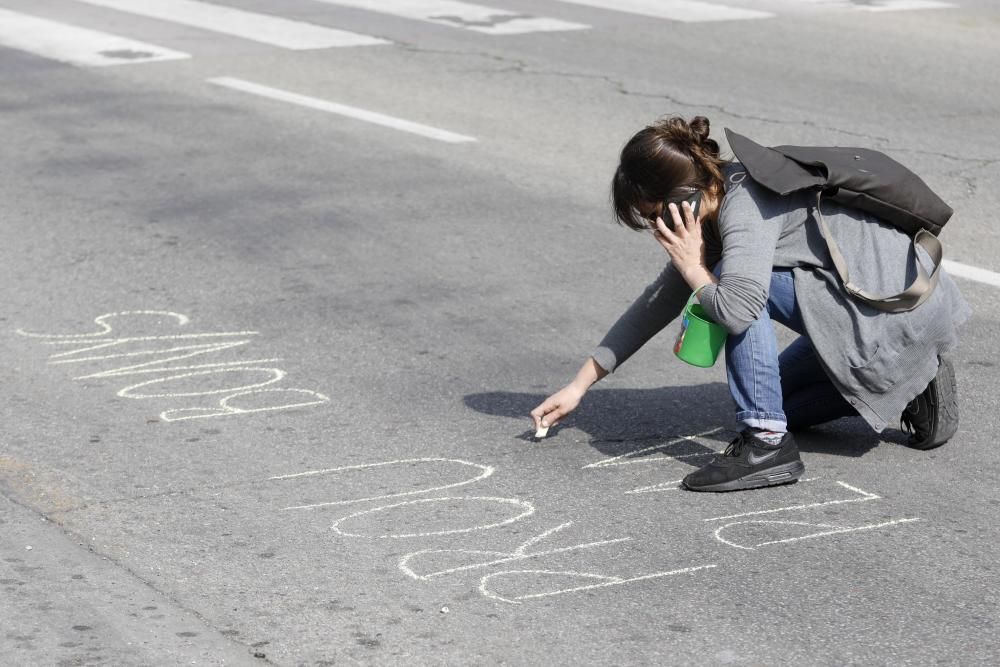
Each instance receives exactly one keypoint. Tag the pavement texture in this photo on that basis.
(268, 369)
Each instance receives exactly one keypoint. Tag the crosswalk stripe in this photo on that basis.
(688, 11)
(462, 15)
(263, 28)
(341, 109)
(74, 45)
(902, 5)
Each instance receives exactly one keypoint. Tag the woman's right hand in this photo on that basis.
(557, 406)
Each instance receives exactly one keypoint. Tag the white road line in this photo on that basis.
(263, 28)
(972, 273)
(76, 46)
(341, 110)
(902, 5)
(688, 11)
(462, 15)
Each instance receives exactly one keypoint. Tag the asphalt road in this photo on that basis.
(268, 358)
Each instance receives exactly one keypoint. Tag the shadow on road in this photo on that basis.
(622, 421)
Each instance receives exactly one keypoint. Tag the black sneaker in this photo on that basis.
(749, 463)
(932, 417)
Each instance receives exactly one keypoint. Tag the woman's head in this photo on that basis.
(667, 161)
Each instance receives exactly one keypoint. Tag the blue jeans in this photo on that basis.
(777, 391)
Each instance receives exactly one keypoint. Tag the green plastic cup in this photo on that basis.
(700, 339)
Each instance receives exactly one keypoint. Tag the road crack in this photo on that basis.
(520, 66)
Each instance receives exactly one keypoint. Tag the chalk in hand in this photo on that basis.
(542, 432)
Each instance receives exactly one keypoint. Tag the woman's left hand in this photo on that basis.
(684, 244)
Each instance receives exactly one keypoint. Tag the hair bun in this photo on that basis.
(700, 128)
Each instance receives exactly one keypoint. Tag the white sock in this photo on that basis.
(770, 437)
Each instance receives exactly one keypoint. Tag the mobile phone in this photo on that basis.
(694, 200)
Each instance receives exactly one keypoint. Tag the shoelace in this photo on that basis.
(905, 424)
(735, 447)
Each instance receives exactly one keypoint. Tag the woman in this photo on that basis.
(752, 258)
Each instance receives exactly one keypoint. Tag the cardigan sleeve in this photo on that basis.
(749, 237)
(655, 308)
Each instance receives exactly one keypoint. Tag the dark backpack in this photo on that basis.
(860, 178)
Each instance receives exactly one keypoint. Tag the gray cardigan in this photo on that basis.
(878, 361)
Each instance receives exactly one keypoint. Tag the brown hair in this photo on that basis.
(665, 161)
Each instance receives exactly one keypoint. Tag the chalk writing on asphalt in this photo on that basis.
(518, 574)
(432, 498)
(159, 339)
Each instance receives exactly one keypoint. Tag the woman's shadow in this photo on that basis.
(648, 422)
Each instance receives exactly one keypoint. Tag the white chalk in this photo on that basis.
(542, 432)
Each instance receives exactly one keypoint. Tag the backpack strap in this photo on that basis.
(914, 295)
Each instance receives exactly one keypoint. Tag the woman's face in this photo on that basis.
(650, 211)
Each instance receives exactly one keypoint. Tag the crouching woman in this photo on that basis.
(754, 258)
